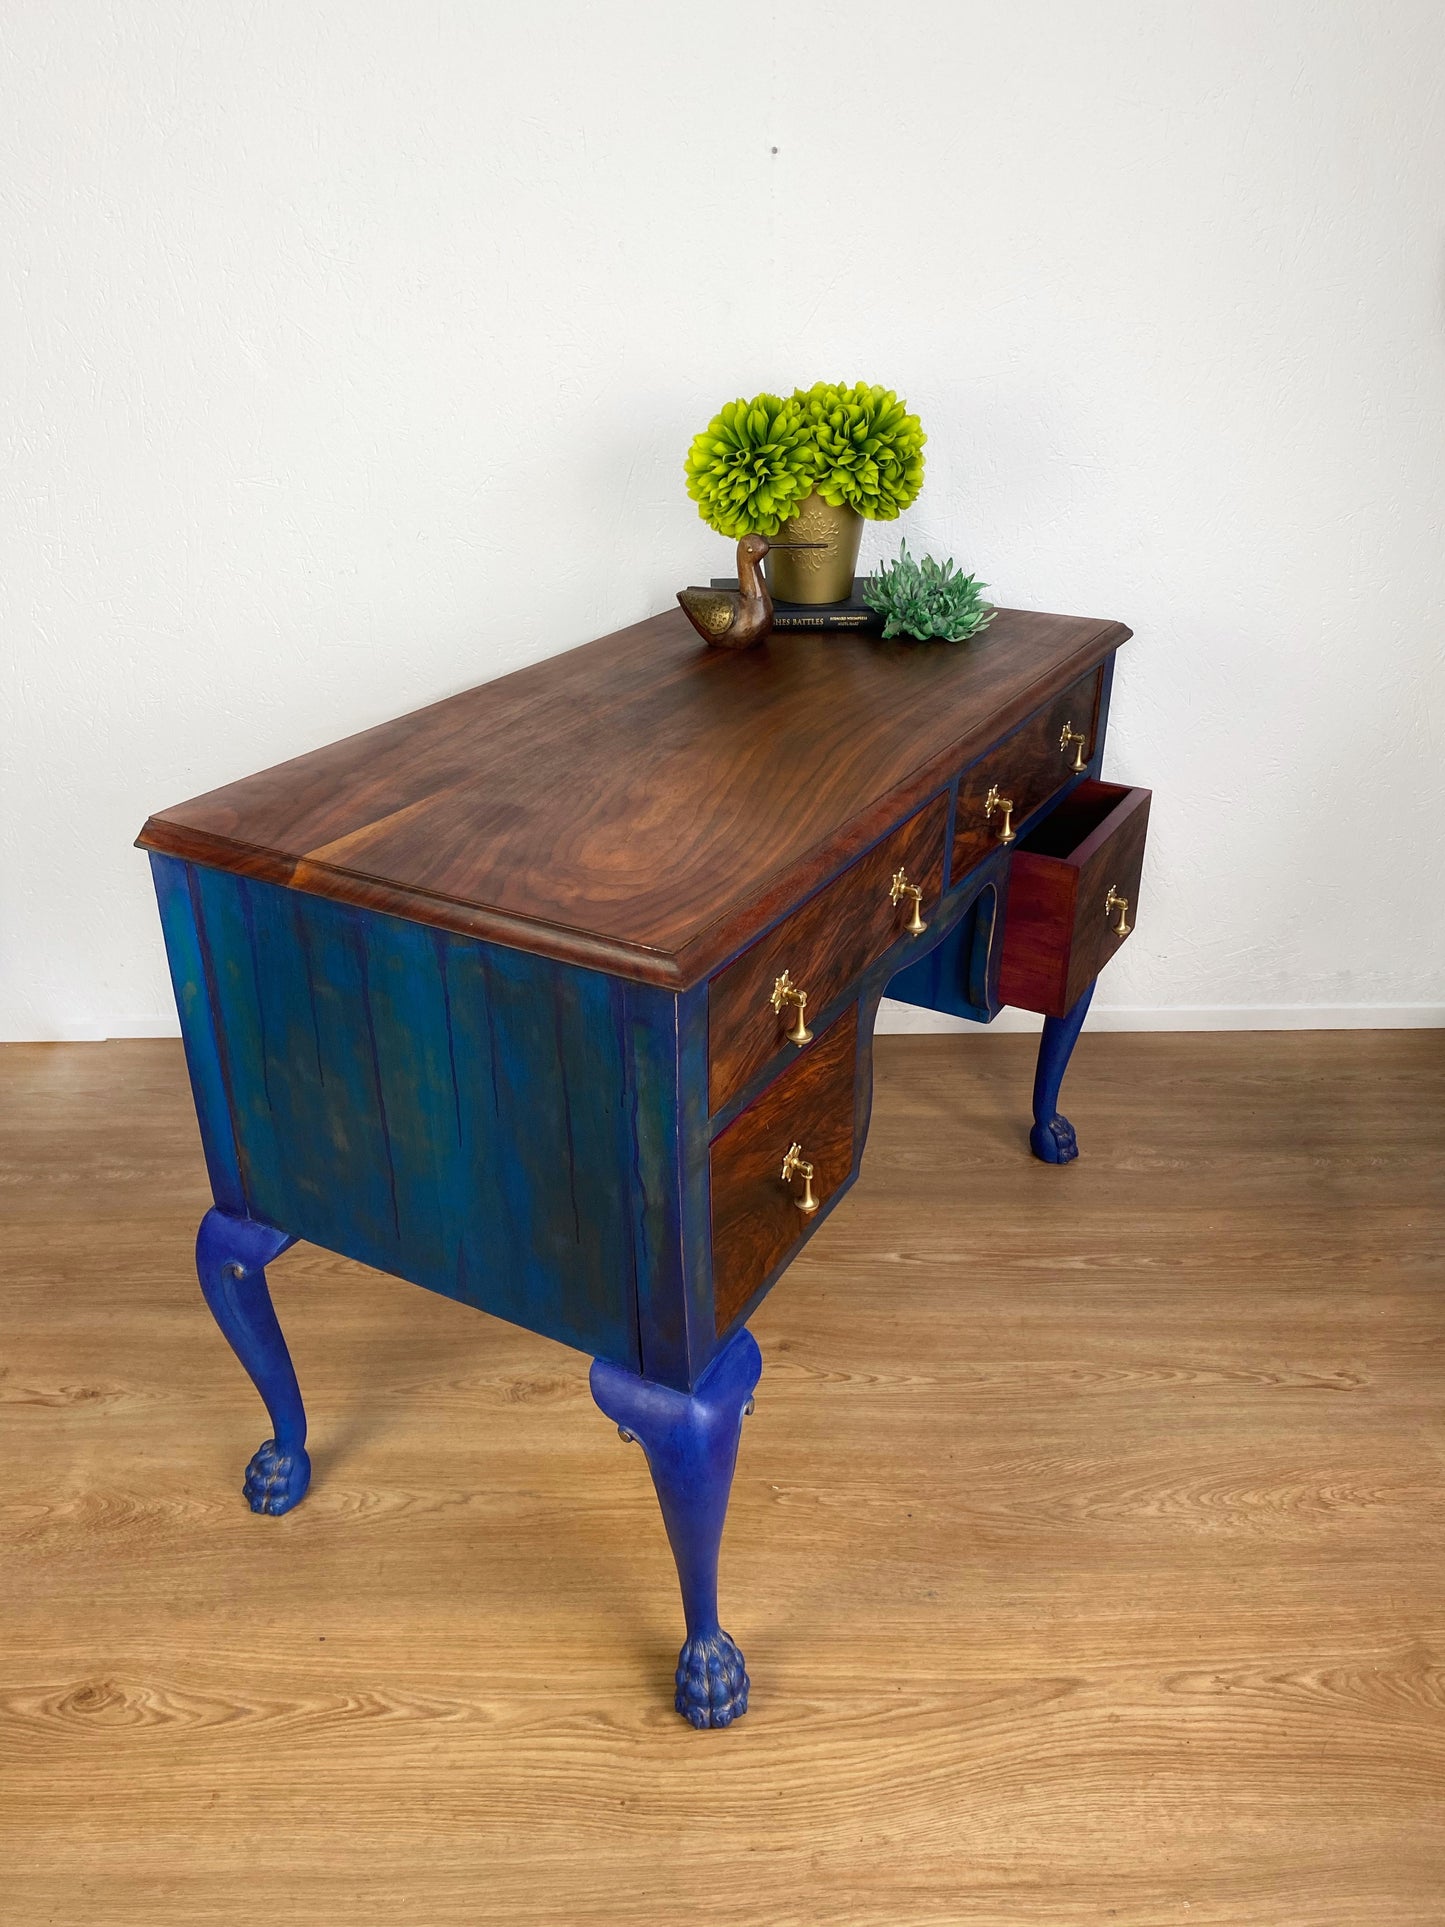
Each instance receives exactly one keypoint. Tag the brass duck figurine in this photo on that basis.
(737, 618)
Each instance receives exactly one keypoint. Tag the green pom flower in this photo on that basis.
(869, 449)
(751, 466)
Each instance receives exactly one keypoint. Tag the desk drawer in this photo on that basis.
(1073, 881)
(1033, 765)
(756, 1221)
(823, 947)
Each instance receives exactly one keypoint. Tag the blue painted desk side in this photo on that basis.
(491, 1124)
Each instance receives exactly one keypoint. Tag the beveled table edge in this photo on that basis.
(718, 942)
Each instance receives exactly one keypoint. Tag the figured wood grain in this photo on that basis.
(643, 803)
(1029, 768)
(824, 946)
(1088, 1578)
(755, 1220)
(1058, 930)
(1110, 861)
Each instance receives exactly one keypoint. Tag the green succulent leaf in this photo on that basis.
(751, 466)
(869, 449)
(928, 600)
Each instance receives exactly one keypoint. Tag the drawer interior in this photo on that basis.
(1069, 826)
(1073, 895)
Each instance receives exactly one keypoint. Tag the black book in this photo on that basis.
(852, 614)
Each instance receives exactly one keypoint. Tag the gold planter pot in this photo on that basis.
(816, 575)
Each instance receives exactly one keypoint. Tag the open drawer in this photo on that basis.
(1073, 896)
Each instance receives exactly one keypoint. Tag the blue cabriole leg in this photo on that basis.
(231, 1256)
(691, 1442)
(1052, 1137)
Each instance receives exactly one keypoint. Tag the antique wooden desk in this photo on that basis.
(558, 996)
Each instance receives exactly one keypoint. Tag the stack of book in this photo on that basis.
(852, 614)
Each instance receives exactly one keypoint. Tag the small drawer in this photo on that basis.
(1073, 896)
(1018, 777)
(756, 1215)
(822, 948)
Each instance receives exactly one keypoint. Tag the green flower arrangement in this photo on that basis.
(869, 449)
(858, 447)
(751, 466)
(928, 600)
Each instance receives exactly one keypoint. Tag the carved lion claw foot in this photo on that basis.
(712, 1688)
(275, 1480)
(1054, 1142)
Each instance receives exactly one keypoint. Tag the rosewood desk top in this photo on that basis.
(639, 804)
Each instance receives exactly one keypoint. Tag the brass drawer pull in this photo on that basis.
(1114, 902)
(1071, 735)
(785, 991)
(901, 888)
(795, 1165)
(993, 801)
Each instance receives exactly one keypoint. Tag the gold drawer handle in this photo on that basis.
(1114, 902)
(785, 991)
(1071, 735)
(901, 888)
(795, 1165)
(993, 801)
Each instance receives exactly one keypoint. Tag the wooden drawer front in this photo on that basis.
(1066, 882)
(1029, 768)
(755, 1219)
(824, 947)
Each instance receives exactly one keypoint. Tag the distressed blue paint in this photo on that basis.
(231, 1258)
(959, 974)
(466, 1116)
(691, 1442)
(666, 1062)
(1052, 1137)
(649, 1020)
(696, 1131)
(205, 1062)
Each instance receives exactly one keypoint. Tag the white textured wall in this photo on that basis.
(350, 352)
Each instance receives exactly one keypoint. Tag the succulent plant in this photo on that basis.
(752, 465)
(927, 599)
(869, 449)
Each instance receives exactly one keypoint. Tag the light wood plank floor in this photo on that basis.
(1086, 1546)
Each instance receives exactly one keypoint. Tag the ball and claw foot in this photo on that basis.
(276, 1481)
(1054, 1142)
(1052, 1139)
(691, 1442)
(712, 1687)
